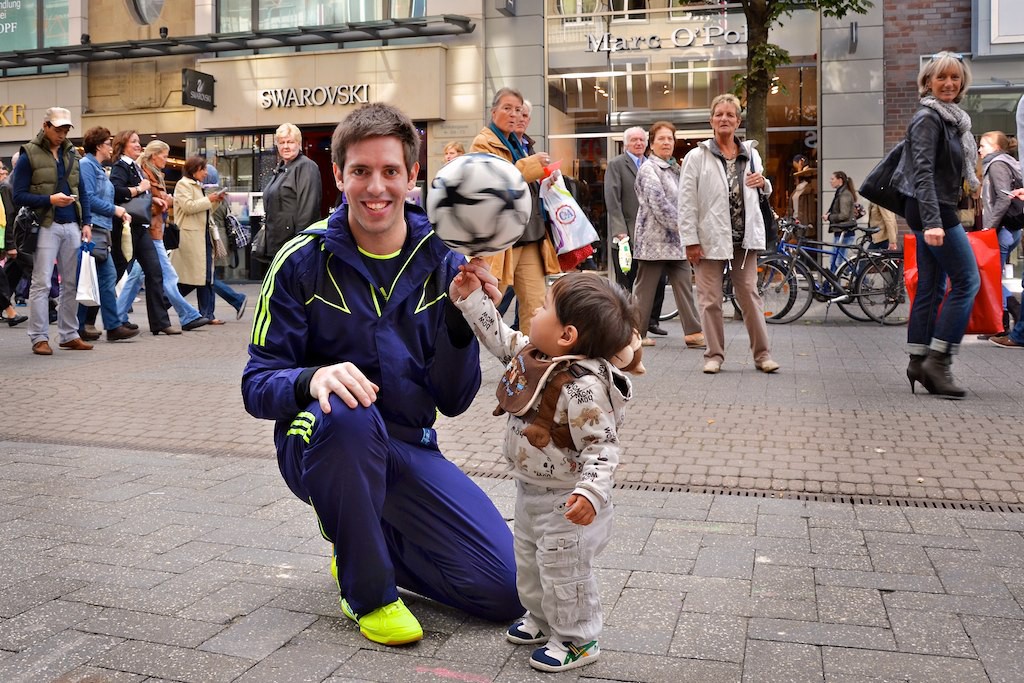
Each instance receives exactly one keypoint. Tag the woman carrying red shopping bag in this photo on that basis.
(940, 155)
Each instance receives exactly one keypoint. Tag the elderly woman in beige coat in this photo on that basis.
(193, 259)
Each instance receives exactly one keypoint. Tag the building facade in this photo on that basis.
(592, 69)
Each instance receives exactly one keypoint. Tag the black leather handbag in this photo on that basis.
(172, 235)
(877, 187)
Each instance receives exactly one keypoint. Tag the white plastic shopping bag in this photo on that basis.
(88, 284)
(571, 227)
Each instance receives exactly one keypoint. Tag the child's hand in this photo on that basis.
(473, 276)
(580, 511)
(463, 284)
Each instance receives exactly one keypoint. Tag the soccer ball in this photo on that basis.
(479, 204)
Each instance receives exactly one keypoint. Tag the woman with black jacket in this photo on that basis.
(939, 156)
(130, 183)
(841, 219)
(291, 199)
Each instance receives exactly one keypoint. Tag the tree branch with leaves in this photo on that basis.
(764, 59)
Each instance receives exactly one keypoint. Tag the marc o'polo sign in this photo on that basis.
(197, 89)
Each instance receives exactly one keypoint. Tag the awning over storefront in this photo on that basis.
(338, 34)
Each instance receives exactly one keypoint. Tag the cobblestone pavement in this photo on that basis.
(147, 536)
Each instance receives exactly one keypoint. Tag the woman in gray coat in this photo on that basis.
(291, 199)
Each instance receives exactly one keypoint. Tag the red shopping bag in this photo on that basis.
(987, 313)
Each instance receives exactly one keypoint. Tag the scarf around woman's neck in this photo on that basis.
(951, 113)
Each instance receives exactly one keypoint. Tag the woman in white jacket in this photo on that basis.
(720, 221)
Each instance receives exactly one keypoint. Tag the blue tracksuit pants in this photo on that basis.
(398, 514)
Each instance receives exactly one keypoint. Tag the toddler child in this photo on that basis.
(565, 391)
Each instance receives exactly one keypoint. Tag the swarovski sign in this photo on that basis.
(704, 36)
(197, 89)
(319, 96)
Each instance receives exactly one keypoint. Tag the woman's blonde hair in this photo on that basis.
(941, 62)
(153, 148)
(1001, 142)
(457, 146)
(727, 98)
(289, 130)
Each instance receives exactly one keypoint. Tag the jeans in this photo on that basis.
(1008, 241)
(930, 328)
(186, 312)
(60, 241)
(841, 239)
(106, 276)
(235, 299)
(131, 288)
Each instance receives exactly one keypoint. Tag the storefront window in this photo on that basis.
(20, 26)
(236, 15)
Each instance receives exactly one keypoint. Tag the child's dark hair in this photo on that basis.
(603, 313)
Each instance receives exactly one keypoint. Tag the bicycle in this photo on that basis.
(791, 278)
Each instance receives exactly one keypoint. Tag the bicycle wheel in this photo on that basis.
(778, 288)
(668, 307)
(847, 276)
(882, 293)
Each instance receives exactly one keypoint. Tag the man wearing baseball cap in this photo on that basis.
(46, 179)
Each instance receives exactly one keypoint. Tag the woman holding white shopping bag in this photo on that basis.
(98, 144)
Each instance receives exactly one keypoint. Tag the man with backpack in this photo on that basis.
(46, 179)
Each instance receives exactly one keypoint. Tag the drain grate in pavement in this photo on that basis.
(846, 499)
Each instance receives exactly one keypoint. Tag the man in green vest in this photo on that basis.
(46, 180)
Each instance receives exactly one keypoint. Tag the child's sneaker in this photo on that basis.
(526, 632)
(557, 656)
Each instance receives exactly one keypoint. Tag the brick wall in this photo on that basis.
(914, 28)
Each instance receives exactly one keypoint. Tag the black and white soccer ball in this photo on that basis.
(479, 204)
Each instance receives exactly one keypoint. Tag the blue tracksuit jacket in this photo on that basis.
(318, 307)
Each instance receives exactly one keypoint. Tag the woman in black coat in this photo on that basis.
(291, 200)
(129, 183)
(939, 157)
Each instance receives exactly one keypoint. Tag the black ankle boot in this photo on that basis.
(914, 373)
(937, 377)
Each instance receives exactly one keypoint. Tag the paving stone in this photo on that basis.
(786, 583)
(153, 628)
(174, 663)
(91, 674)
(776, 662)
(709, 637)
(725, 563)
(1000, 548)
(478, 642)
(842, 541)
(964, 572)
(900, 666)
(41, 622)
(900, 559)
(408, 666)
(817, 633)
(298, 661)
(978, 605)
(32, 592)
(230, 602)
(843, 605)
(53, 656)
(931, 634)
(891, 582)
(628, 666)
(992, 628)
(658, 611)
(256, 635)
(786, 527)
(1002, 659)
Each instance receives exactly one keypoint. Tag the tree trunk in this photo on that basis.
(758, 80)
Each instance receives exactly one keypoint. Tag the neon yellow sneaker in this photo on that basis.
(391, 624)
